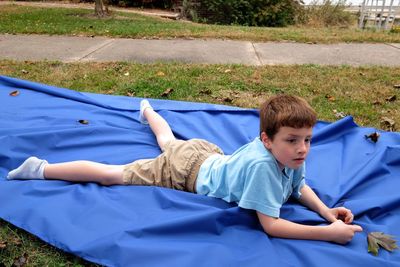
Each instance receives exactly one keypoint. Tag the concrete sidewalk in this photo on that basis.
(101, 49)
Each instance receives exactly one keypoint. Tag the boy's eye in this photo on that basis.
(292, 140)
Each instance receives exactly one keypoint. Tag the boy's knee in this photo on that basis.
(113, 177)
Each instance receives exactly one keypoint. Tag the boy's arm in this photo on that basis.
(311, 200)
(338, 231)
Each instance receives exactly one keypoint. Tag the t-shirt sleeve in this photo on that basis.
(298, 181)
(262, 190)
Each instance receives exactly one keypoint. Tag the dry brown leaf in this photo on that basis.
(14, 93)
(3, 244)
(379, 239)
(388, 123)
(83, 122)
(374, 137)
(206, 92)
(330, 98)
(391, 98)
(21, 261)
(167, 92)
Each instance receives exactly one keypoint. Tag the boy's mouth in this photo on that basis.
(299, 160)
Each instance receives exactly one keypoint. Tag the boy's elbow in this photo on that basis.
(267, 223)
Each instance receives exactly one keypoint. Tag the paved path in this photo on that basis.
(101, 49)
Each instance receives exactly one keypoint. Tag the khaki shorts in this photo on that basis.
(177, 167)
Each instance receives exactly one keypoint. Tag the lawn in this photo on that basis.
(15, 19)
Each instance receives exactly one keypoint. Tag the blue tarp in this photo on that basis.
(150, 226)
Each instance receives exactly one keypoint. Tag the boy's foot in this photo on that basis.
(144, 104)
(32, 168)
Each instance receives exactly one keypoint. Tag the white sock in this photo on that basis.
(143, 105)
(32, 168)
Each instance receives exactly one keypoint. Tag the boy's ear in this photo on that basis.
(266, 140)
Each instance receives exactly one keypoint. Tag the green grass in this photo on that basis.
(357, 91)
(17, 248)
(16, 19)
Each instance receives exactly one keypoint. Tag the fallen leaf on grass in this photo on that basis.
(167, 92)
(21, 261)
(339, 114)
(397, 86)
(391, 98)
(3, 244)
(228, 99)
(330, 98)
(206, 92)
(160, 73)
(14, 93)
(374, 137)
(388, 123)
(379, 239)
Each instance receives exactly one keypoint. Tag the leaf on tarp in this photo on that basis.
(83, 122)
(14, 93)
(379, 239)
(374, 137)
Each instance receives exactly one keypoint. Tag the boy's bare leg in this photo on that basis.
(159, 126)
(85, 171)
(74, 171)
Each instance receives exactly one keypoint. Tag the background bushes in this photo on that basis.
(244, 12)
(328, 13)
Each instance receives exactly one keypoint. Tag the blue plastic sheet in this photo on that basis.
(150, 226)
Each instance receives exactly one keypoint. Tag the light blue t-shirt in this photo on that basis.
(250, 177)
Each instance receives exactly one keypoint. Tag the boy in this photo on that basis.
(260, 175)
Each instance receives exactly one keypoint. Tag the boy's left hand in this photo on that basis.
(340, 213)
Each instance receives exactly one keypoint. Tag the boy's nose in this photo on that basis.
(302, 149)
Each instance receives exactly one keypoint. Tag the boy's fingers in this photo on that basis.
(356, 228)
(349, 218)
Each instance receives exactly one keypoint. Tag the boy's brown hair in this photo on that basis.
(285, 110)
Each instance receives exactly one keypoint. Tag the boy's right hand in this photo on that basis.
(342, 233)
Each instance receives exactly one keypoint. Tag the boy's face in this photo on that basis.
(289, 146)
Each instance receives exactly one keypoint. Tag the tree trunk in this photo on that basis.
(101, 8)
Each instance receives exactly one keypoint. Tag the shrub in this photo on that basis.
(328, 13)
(244, 12)
(141, 3)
